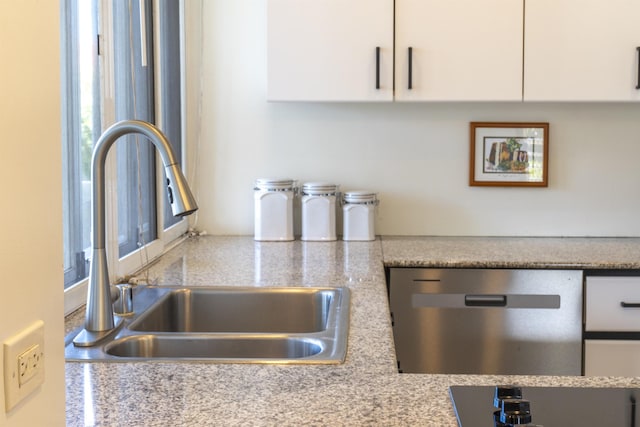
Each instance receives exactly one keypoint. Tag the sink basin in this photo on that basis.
(228, 325)
(281, 310)
(221, 348)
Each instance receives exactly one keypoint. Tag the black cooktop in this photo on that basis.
(551, 406)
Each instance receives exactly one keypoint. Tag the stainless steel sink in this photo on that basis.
(236, 348)
(228, 325)
(288, 310)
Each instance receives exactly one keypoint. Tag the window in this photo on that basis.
(133, 97)
(117, 66)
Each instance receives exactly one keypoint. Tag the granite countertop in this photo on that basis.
(512, 252)
(366, 389)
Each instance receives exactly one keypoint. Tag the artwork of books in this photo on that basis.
(507, 157)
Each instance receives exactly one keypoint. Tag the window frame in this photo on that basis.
(76, 294)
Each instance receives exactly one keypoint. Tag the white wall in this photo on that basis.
(415, 156)
(31, 208)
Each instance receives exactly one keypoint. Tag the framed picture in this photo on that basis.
(509, 154)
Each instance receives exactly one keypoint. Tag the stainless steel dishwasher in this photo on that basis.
(481, 321)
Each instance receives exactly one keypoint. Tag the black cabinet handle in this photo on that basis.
(410, 68)
(638, 83)
(630, 304)
(377, 67)
(485, 300)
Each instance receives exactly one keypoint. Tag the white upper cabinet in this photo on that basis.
(330, 50)
(453, 50)
(581, 50)
(461, 50)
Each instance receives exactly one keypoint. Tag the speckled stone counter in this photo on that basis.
(366, 389)
(512, 252)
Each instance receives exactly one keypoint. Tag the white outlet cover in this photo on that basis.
(13, 348)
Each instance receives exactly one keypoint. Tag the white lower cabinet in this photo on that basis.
(612, 304)
(612, 325)
(612, 358)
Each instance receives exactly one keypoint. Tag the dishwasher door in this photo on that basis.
(481, 321)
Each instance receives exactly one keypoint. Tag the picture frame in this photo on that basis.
(509, 154)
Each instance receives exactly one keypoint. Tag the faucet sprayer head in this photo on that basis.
(182, 201)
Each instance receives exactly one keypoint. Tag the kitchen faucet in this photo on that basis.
(99, 319)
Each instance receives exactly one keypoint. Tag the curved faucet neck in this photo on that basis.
(100, 151)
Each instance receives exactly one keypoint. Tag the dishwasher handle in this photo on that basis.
(471, 301)
(485, 300)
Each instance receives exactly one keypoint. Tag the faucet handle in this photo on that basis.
(123, 306)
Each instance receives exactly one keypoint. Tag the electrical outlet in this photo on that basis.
(23, 363)
(29, 364)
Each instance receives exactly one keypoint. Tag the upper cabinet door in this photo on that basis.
(330, 50)
(461, 50)
(581, 50)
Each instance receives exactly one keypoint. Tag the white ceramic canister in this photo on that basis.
(359, 214)
(319, 211)
(274, 209)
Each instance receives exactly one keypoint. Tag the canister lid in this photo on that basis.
(318, 188)
(274, 184)
(360, 196)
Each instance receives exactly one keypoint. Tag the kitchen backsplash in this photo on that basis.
(416, 156)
